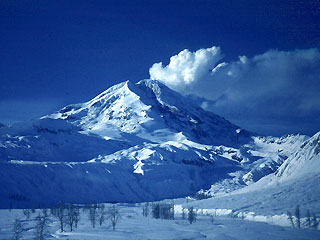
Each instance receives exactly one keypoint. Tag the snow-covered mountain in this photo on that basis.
(133, 142)
(296, 182)
(305, 162)
(149, 110)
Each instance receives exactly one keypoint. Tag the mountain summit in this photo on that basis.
(133, 142)
(150, 110)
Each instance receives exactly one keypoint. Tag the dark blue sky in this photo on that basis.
(57, 52)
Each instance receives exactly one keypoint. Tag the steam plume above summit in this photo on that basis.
(271, 92)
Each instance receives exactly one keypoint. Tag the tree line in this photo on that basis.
(67, 216)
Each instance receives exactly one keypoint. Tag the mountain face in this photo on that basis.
(131, 143)
(305, 162)
(148, 110)
(296, 182)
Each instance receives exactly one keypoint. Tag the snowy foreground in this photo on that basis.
(132, 225)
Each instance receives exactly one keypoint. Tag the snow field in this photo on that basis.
(133, 225)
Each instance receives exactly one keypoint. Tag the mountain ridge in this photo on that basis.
(127, 143)
(148, 106)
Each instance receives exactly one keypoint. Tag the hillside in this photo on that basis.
(296, 182)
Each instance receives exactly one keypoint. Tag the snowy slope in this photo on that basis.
(149, 110)
(296, 182)
(303, 163)
(133, 142)
(272, 152)
(49, 140)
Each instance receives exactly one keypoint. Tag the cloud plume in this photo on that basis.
(276, 92)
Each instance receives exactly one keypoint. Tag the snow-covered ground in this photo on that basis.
(132, 225)
(295, 183)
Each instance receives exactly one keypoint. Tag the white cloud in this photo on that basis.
(185, 69)
(276, 86)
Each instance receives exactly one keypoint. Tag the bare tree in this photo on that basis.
(298, 216)
(169, 211)
(183, 213)
(114, 216)
(211, 219)
(93, 215)
(192, 216)
(17, 229)
(70, 216)
(101, 214)
(60, 214)
(76, 215)
(156, 210)
(290, 218)
(41, 226)
(308, 220)
(145, 210)
(163, 211)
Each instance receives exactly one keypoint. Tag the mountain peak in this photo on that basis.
(118, 88)
(144, 110)
(132, 139)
